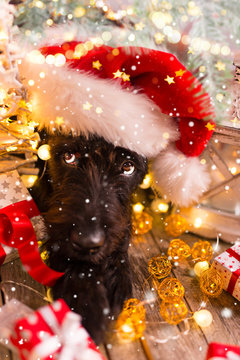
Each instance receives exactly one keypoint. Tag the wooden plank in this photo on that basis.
(18, 284)
(221, 187)
(164, 341)
(218, 161)
(5, 354)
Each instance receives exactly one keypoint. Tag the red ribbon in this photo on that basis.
(16, 231)
(220, 350)
(236, 274)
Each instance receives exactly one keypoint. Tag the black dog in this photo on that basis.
(85, 195)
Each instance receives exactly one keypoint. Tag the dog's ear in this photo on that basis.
(42, 187)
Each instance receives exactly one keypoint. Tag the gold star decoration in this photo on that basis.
(169, 80)
(220, 66)
(117, 74)
(159, 38)
(139, 26)
(59, 120)
(180, 72)
(96, 65)
(125, 77)
(210, 126)
(87, 106)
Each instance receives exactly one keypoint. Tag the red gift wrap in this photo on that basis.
(17, 208)
(217, 351)
(54, 332)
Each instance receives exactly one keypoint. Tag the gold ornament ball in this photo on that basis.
(179, 249)
(142, 223)
(202, 250)
(132, 306)
(131, 322)
(159, 266)
(200, 266)
(175, 225)
(203, 317)
(171, 290)
(211, 282)
(174, 312)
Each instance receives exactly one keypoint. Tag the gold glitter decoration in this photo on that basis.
(171, 290)
(173, 313)
(141, 223)
(179, 249)
(211, 282)
(202, 250)
(175, 225)
(131, 322)
(159, 266)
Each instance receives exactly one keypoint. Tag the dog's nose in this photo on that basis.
(94, 240)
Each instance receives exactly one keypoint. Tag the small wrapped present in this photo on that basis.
(228, 264)
(217, 351)
(17, 209)
(53, 332)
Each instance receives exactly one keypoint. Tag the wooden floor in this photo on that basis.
(161, 341)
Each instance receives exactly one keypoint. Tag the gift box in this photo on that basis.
(53, 332)
(12, 190)
(19, 216)
(217, 351)
(228, 264)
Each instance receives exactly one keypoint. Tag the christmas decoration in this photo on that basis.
(170, 290)
(131, 322)
(175, 225)
(203, 318)
(51, 330)
(159, 206)
(178, 249)
(141, 223)
(200, 266)
(228, 265)
(16, 209)
(44, 152)
(173, 312)
(202, 250)
(155, 135)
(17, 134)
(217, 351)
(211, 282)
(159, 266)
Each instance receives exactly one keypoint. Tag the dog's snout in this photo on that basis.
(88, 241)
(96, 240)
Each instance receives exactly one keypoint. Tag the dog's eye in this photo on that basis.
(128, 168)
(69, 158)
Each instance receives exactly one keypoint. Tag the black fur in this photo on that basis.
(91, 196)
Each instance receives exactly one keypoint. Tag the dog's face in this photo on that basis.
(92, 181)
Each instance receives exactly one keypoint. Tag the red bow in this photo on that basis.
(16, 231)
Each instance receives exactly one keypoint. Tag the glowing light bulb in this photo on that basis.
(203, 318)
(44, 152)
(197, 222)
(200, 267)
(138, 208)
(146, 182)
(29, 180)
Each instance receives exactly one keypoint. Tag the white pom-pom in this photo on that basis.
(180, 178)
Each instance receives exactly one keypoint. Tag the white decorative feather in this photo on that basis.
(86, 104)
(180, 178)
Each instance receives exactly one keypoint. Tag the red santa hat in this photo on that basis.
(138, 98)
